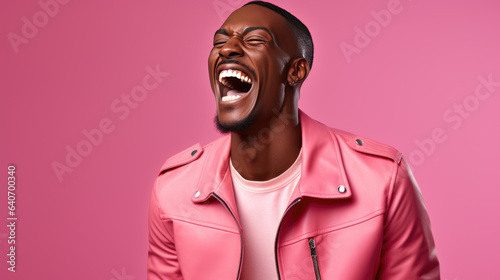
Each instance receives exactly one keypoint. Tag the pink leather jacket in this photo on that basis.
(357, 213)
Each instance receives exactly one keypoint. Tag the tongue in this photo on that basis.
(234, 92)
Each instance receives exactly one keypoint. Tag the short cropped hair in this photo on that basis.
(304, 39)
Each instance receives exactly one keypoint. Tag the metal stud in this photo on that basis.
(342, 189)
(194, 152)
(359, 142)
(197, 194)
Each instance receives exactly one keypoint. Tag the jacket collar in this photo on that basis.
(322, 174)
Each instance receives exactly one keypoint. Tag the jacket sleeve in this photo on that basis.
(162, 256)
(408, 249)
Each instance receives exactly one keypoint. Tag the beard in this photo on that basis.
(238, 126)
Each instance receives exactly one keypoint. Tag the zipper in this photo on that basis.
(277, 234)
(314, 255)
(239, 230)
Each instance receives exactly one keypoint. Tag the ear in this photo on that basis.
(298, 71)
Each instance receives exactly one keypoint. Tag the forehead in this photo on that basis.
(257, 16)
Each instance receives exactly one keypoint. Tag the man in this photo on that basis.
(281, 196)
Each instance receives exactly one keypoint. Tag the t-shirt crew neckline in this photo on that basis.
(271, 185)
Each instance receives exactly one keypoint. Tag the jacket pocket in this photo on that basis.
(314, 255)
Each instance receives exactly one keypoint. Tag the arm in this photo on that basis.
(162, 255)
(408, 250)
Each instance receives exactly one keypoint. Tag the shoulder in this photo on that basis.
(187, 157)
(366, 146)
(181, 172)
(349, 144)
(372, 167)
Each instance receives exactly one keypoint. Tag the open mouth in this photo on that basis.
(235, 84)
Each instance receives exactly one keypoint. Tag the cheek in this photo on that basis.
(212, 59)
(277, 66)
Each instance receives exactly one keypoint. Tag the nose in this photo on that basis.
(231, 48)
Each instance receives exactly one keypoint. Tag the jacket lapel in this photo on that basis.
(323, 174)
(215, 177)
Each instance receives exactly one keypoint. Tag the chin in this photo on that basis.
(239, 125)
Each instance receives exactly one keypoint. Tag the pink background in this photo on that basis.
(400, 86)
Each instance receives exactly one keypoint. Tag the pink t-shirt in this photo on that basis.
(261, 205)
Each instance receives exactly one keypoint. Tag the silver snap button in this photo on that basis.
(359, 142)
(194, 152)
(197, 194)
(342, 189)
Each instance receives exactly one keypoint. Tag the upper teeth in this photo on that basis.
(235, 74)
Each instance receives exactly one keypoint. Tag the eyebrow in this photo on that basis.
(245, 31)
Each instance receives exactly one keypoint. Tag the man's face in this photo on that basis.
(247, 67)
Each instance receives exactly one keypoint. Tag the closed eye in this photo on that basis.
(219, 43)
(255, 41)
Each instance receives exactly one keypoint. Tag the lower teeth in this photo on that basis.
(230, 97)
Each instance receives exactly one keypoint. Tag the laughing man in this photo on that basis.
(280, 195)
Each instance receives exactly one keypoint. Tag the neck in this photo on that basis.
(264, 152)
